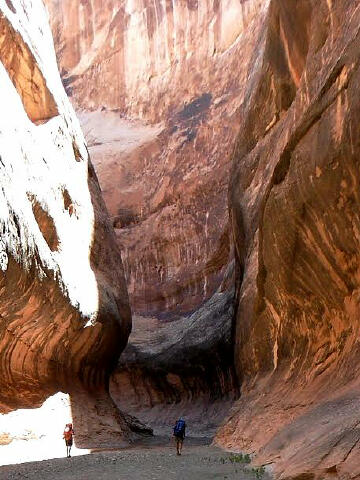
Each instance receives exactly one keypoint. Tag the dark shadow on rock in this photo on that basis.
(181, 368)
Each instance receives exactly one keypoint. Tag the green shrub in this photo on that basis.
(239, 458)
(259, 472)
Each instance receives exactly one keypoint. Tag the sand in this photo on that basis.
(155, 461)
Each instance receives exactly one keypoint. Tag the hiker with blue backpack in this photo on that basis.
(179, 434)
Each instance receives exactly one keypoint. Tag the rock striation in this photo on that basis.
(294, 200)
(125, 55)
(64, 312)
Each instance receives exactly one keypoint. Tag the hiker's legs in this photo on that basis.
(179, 443)
(68, 448)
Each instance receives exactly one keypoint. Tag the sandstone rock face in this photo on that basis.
(181, 368)
(169, 66)
(294, 198)
(64, 308)
(125, 54)
(287, 72)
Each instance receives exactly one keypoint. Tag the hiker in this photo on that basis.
(179, 434)
(68, 437)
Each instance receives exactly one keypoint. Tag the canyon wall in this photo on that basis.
(282, 77)
(148, 58)
(294, 199)
(64, 312)
(171, 65)
(154, 87)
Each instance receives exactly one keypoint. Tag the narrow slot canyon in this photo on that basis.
(180, 230)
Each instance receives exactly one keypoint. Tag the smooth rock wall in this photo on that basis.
(295, 204)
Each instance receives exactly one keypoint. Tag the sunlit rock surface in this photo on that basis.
(294, 198)
(64, 313)
(125, 55)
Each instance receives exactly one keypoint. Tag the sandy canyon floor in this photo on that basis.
(155, 461)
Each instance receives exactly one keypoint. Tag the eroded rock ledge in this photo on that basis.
(182, 368)
(64, 312)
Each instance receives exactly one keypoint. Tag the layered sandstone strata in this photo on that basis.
(295, 206)
(64, 308)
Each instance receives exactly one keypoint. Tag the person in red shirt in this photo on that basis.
(68, 437)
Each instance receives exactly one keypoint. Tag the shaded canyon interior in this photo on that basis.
(225, 136)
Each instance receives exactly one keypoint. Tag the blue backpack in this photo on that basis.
(179, 428)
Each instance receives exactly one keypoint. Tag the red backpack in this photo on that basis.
(68, 432)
